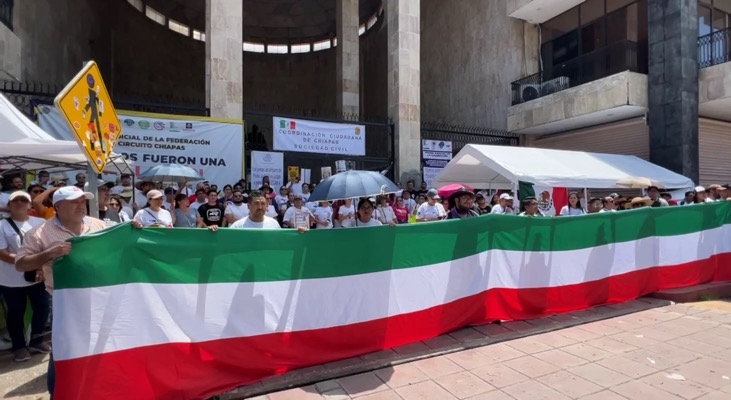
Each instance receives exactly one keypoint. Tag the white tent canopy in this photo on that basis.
(501, 167)
(25, 146)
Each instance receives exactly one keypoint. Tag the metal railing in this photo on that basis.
(461, 136)
(609, 60)
(714, 48)
(6, 13)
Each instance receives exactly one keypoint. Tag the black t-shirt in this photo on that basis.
(109, 214)
(212, 215)
(421, 193)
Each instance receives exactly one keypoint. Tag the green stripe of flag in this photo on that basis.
(126, 255)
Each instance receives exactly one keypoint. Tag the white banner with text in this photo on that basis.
(215, 149)
(267, 163)
(318, 137)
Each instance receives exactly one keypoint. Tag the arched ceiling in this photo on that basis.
(270, 21)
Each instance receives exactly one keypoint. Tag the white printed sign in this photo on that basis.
(318, 137)
(435, 155)
(212, 148)
(437, 145)
(429, 175)
(266, 163)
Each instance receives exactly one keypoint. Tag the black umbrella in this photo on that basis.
(351, 184)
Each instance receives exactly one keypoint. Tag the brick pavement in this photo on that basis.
(673, 352)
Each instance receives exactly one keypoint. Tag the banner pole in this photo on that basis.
(91, 178)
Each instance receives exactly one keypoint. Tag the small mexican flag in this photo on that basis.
(550, 199)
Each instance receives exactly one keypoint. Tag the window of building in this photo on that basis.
(321, 45)
(560, 25)
(591, 10)
(178, 27)
(614, 5)
(704, 20)
(198, 35)
(300, 48)
(137, 4)
(277, 49)
(152, 14)
(254, 47)
(335, 42)
(361, 30)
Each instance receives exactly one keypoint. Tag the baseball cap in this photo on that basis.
(433, 194)
(506, 196)
(297, 196)
(99, 183)
(70, 193)
(17, 194)
(699, 189)
(154, 194)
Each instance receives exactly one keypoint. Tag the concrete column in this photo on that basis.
(404, 85)
(348, 56)
(673, 85)
(224, 58)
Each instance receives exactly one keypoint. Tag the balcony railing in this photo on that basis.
(714, 48)
(6, 13)
(610, 60)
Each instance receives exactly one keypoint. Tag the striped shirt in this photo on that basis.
(49, 234)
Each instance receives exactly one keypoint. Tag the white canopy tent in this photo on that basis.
(501, 167)
(24, 146)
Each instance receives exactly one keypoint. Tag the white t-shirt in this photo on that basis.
(194, 205)
(238, 212)
(606, 210)
(565, 210)
(498, 209)
(385, 214)
(297, 217)
(429, 212)
(140, 199)
(372, 222)
(348, 222)
(46, 186)
(117, 189)
(161, 218)
(127, 210)
(410, 204)
(305, 197)
(4, 197)
(11, 241)
(324, 213)
(279, 200)
(268, 223)
(296, 187)
(271, 212)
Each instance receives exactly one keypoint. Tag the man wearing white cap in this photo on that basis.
(47, 241)
(15, 288)
(154, 215)
(504, 205)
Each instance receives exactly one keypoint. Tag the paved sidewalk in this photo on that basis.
(673, 352)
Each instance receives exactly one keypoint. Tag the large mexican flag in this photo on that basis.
(187, 313)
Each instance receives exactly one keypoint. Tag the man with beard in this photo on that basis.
(461, 203)
(236, 210)
(257, 218)
(81, 180)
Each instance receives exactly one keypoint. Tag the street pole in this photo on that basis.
(91, 179)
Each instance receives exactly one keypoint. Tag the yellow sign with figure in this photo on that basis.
(88, 109)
